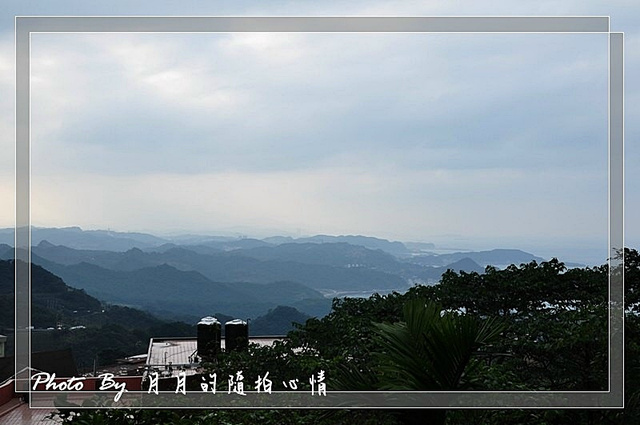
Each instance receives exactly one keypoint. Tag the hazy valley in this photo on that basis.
(190, 276)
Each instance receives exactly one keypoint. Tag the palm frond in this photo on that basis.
(430, 350)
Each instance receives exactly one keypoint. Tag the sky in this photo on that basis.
(469, 141)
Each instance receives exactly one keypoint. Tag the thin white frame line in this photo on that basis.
(608, 17)
(356, 32)
(622, 225)
(387, 32)
(322, 32)
(609, 260)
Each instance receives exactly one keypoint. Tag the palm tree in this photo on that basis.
(430, 350)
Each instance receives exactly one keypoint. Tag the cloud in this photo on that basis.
(401, 132)
(401, 136)
(389, 202)
(274, 101)
(7, 89)
(7, 132)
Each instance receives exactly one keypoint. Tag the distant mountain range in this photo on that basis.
(87, 239)
(194, 275)
(223, 266)
(394, 248)
(75, 237)
(54, 302)
(108, 240)
(164, 289)
(495, 257)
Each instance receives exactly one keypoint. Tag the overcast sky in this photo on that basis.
(469, 141)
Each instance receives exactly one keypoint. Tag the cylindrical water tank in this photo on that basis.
(209, 337)
(236, 335)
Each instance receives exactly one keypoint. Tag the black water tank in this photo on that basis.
(209, 336)
(236, 335)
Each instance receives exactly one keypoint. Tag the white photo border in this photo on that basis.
(612, 398)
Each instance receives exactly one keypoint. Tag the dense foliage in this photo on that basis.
(537, 326)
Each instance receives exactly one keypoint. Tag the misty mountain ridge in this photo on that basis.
(246, 277)
(324, 266)
(227, 267)
(86, 239)
(495, 257)
(165, 288)
(76, 237)
(108, 240)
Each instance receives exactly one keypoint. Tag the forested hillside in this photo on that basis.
(64, 317)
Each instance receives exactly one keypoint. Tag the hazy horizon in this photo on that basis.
(587, 252)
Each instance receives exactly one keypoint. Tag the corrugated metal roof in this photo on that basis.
(175, 351)
(181, 351)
